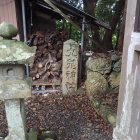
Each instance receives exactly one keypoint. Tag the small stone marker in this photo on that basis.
(70, 67)
(14, 85)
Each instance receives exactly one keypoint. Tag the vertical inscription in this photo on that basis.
(70, 67)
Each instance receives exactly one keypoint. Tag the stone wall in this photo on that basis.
(103, 78)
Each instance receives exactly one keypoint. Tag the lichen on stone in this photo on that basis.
(7, 30)
(16, 52)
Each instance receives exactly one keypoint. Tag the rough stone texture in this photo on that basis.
(70, 67)
(16, 52)
(101, 65)
(114, 80)
(106, 106)
(13, 82)
(103, 77)
(115, 57)
(14, 119)
(11, 89)
(32, 135)
(7, 30)
(108, 114)
(117, 66)
(13, 51)
(96, 83)
(12, 72)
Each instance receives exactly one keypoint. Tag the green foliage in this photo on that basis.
(114, 40)
(76, 3)
(73, 32)
(105, 9)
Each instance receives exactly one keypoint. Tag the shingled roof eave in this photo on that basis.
(69, 9)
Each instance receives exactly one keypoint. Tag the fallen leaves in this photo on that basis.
(71, 118)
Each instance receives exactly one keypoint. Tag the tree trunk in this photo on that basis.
(89, 6)
(121, 36)
(107, 41)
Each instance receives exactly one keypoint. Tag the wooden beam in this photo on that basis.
(69, 20)
(62, 14)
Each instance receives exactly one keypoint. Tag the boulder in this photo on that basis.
(115, 57)
(114, 80)
(103, 77)
(117, 66)
(101, 65)
(96, 83)
(106, 111)
(108, 114)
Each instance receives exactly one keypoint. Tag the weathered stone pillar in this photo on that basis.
(16, 124)
(70, 67)
(14, 85)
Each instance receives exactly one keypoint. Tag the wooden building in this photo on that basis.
(32, 15)
(8, 11)
(35, 15)
(128, 119)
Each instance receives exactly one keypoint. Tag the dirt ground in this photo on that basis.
(72, 118)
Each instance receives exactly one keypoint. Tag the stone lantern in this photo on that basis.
(14, 84)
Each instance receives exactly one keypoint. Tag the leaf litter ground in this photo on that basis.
(71, 117)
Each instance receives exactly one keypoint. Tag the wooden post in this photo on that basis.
(128, 117)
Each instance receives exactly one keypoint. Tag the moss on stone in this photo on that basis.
(16, 52)
(7, 30)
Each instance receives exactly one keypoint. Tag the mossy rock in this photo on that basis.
(100, 65)
(108, 114)
(117, 66)
(96, 102)
(16, 52)
(96, 83)
(114, 80)
(115, 57)
(7, 30)
(47, 135)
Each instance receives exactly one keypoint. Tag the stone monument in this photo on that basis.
(70, 67)
(14, 84)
